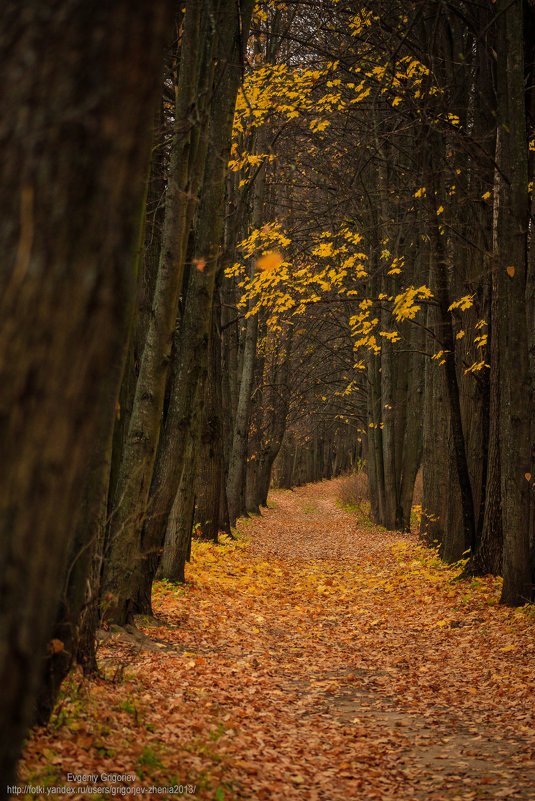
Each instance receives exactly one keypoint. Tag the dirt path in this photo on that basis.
(321, 662)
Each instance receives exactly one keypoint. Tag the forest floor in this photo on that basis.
(315, 659)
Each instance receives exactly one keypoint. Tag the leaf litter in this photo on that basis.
(313, 658)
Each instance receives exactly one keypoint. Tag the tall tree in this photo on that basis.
(223, 40)
(75, 137)
(512, 211)
(139, 453)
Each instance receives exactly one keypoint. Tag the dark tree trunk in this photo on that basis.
(238, 453)
(139, 453)
(444, 335)
(186, 385)
(275, 413)
(512, 229)
(412, 445)
(75, 141)
(211, 471)
(177, 545)
(76, 619)
(489, 554)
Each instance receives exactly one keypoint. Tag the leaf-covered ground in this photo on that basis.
(313, 659)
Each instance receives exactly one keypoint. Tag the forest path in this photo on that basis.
(315, 660)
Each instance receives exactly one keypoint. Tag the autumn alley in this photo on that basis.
(311, 659)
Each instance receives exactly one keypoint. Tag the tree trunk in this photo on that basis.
(413, 435)
(75, 140)
(512, 228)
(488, 557)
(444, 335)
(375, 441)
(134, 480)
(211, 470)
(75, 624)
(186, 386)
(238, 456)
(275, 415)
(177, 544)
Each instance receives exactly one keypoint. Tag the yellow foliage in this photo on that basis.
(325, 249)
(463, 303)
(405, 304)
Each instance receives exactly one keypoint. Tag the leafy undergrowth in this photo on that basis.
(308, 660)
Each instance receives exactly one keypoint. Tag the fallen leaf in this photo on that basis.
(269, 261)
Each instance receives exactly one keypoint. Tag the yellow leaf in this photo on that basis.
(486, 196)
(463, 303)
(527, 476)
(510, 271)
(325, 249)
(508, 648)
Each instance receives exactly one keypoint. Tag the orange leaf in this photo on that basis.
(510, 271)
(269, 261)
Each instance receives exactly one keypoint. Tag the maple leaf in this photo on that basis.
(269, 261)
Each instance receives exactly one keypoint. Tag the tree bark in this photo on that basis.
(75, 137)
(238, 455)
(134, 480)
(186, 386)
(211, 470)
(444, 335)
(512, 228)
(176, 550)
